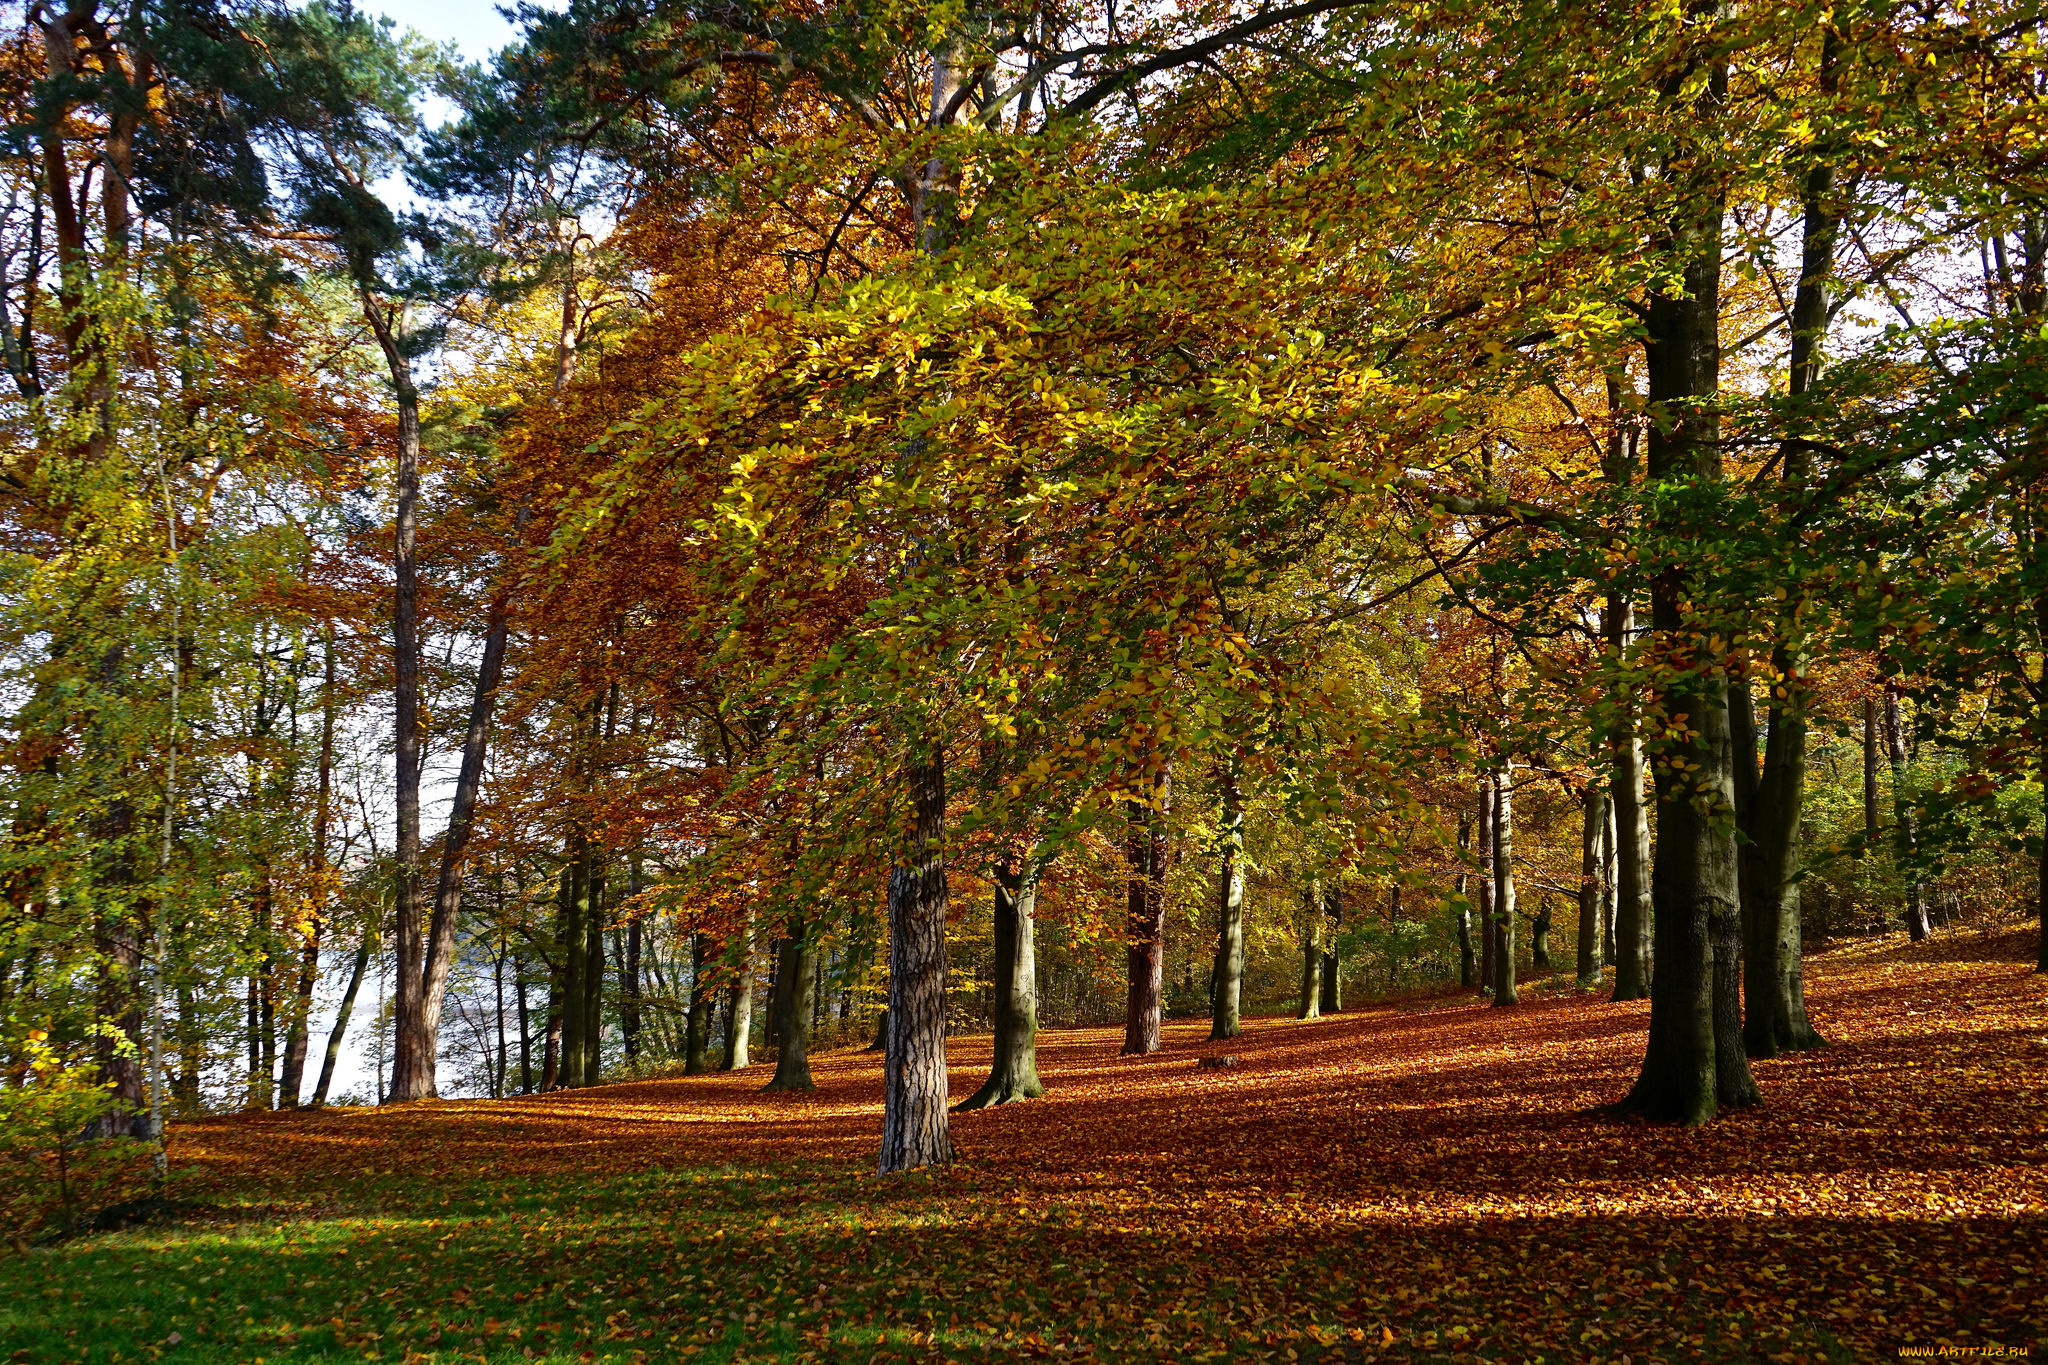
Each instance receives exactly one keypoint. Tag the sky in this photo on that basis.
(474, 26)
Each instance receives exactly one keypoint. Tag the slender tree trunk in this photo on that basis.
(1333, 952)
(300, 1029)
(1632, 909)
(914, 1129)
(1775, 995)
(1145, 919)
(412, 1071)
(794, 1002)
(574, 951)
(525, 1025)
(697, 1024)
(1607, 894)
(593, 964)
(1013, 1074)
(629, 980)
(1228, 989)
(1488, 939)
(1869, 773)
(739, 1014)
(1468, 970)
(1504, 885)
(347, 1007)
(1906, 836)
(1590, 835)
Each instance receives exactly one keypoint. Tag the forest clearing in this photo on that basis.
(1418, 1180)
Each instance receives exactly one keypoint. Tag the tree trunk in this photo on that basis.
(629, 978)
(341, 1017)
(300, 1028)
(593, 964)
(914, 1129)
(1013, 1075)
(412, 1071)
(1145, 918)
(1869, 773)
(697, 1023)
(1227, 982)
(1774, 987)
(1311, 1006)
(1488, 940)
(1632, 908)
(1694, 1061)
(573, 949)
(1590, 835)
(1504, 885)
(794, 1001)
(1333, 952)
(739, 1013)
(1905, 836)
(1468, 970)
(525, 1025)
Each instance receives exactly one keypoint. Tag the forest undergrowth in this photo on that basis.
(1415, 1180)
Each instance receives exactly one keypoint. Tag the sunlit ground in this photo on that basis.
(1421, 1181)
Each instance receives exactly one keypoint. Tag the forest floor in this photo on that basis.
(1420, 1180)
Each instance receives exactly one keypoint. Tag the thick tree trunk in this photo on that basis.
(1632, 907)
(1504, 885)
(1145, 918)
(914, 1129)
(739, 1011)
(1906, 836)
(794, 1001)
(1591, 833)
(1694, 1061)
(1311, 1006)
(1227, 981)
(1013, 1075)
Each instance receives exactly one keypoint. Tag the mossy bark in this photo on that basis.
(1013, 1072)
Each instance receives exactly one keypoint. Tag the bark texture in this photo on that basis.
(914, 1128)
(1145, 928)
(1227, 982)
(1013, 1073)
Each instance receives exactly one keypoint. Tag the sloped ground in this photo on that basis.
(1419, 1181)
